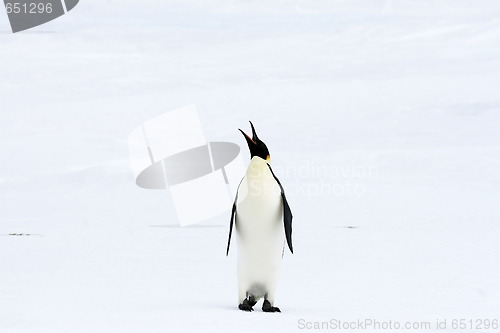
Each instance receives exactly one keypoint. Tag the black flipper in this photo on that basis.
(233, 216)
(233, 213)
(287, 213)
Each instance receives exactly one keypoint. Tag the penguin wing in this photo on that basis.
(287, 213)
(233, 217)
(233, 214)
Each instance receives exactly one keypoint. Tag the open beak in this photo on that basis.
(254, 134)
(249, 140)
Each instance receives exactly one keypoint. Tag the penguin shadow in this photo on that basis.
(194, 226)
(257, 309)
(286, 311)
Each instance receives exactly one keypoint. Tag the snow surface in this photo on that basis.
(406, 90)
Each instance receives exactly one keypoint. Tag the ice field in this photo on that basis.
(382, 119)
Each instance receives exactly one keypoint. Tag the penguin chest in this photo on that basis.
(259, 220)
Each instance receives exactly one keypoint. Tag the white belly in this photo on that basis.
(260, 232)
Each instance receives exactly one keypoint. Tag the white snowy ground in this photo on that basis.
(406, 89)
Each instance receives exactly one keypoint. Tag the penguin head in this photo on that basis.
(256, 146)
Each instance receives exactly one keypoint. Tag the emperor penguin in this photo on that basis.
(263, 220)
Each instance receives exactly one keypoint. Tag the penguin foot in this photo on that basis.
(267, 307)
(247, 304)
(245, 307)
